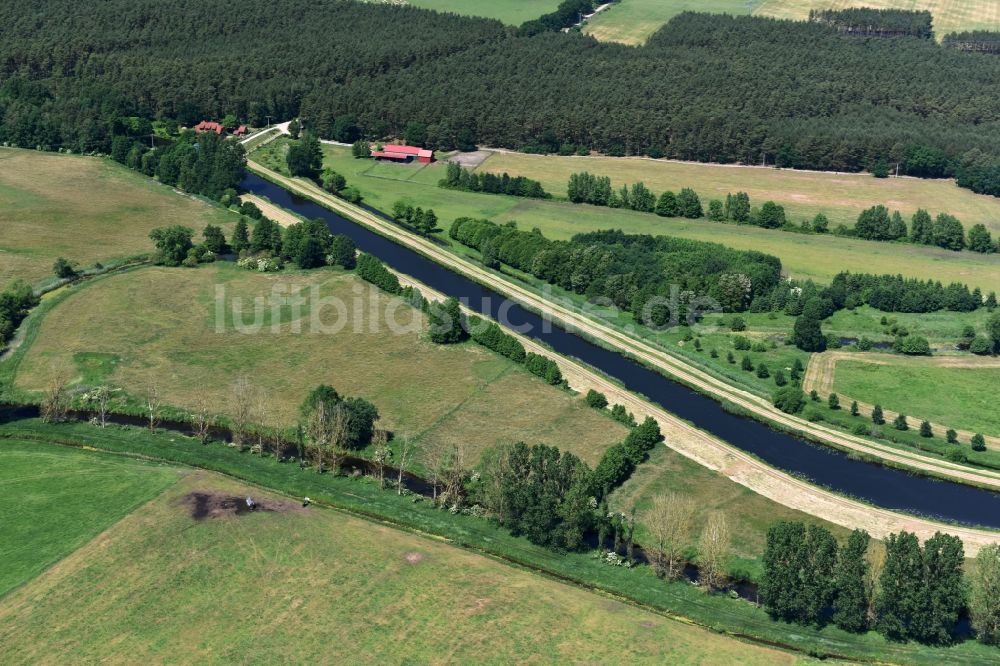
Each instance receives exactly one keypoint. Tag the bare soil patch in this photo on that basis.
(413, 558)
(210, 504)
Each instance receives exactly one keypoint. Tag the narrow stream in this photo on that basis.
(879, 485)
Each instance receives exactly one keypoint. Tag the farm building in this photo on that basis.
(404, 154)
(240, 131)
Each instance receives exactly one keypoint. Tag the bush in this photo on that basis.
(925, 429)
(861, 430)
(543, 367)
(789, 399)
(980, 346)
(978, 442)
(957, 455)
(912, 345)
(620, 414)
(63, 269)
(951, 436)
(596, 399)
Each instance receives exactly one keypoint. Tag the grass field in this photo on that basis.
(949, 15)
(84, 209)
(511, 12)
(164, 332)
(840, 196)
(818, 257)
(55, 500)
(633, 21)
(315, 586)
(959, 397)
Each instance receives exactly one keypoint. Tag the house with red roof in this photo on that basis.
(403, 154)
(209, 126)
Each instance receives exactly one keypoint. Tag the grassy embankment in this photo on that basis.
(84, 209)
(164, 333)
(633, 21)
(360, 496)
(282, 585)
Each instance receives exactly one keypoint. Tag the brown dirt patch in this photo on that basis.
(413, 558)
(209, 504)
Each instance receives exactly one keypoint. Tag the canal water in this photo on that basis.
(879, 485)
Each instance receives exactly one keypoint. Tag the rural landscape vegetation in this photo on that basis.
(495, 332)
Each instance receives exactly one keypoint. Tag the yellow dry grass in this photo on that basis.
(158, 326)
(84, 209)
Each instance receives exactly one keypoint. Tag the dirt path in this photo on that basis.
(821, 374)
(279, 215)
(681, 436)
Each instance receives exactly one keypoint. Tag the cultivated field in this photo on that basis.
(314, 586)
(949, 15)
(54, 500)
(84, 209)
(512, 12)
(633, 21)
(165, 334)
(942, 390)
(818, 257)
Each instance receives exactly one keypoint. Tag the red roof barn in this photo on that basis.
(209, 126)
(404, 154)
(240, 131)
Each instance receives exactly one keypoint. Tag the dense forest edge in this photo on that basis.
(74, 80)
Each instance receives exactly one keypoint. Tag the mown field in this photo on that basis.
(158, 326)
(511, 12)
(959, 397)
(949, 15)
(316, 586)
(54, 500)
(633, 21)
(817, 257)
(84, 209)
(840, 196)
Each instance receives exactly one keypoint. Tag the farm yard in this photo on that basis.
(633, 21)
(165, 335)
(816, 256)
(85, 210)
(190, 576)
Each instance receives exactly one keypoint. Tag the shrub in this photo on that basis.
(957, 455)
(738, 324)
(780, 379)
(596, 399)
(978, 442)
(747, 364)
(951, 436)
(833, 401)
(789, 399)
(925, 429)
(861, 430)
(980, 345)
(620, 414)
(900, 423)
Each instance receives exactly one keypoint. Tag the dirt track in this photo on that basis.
(680, 435)
(822, 370)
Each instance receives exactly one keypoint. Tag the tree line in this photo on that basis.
(656, 278)
(75, 78)
(875, 223)
(900, 589)
(459, 178)
(16, 302)
(866, 21)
